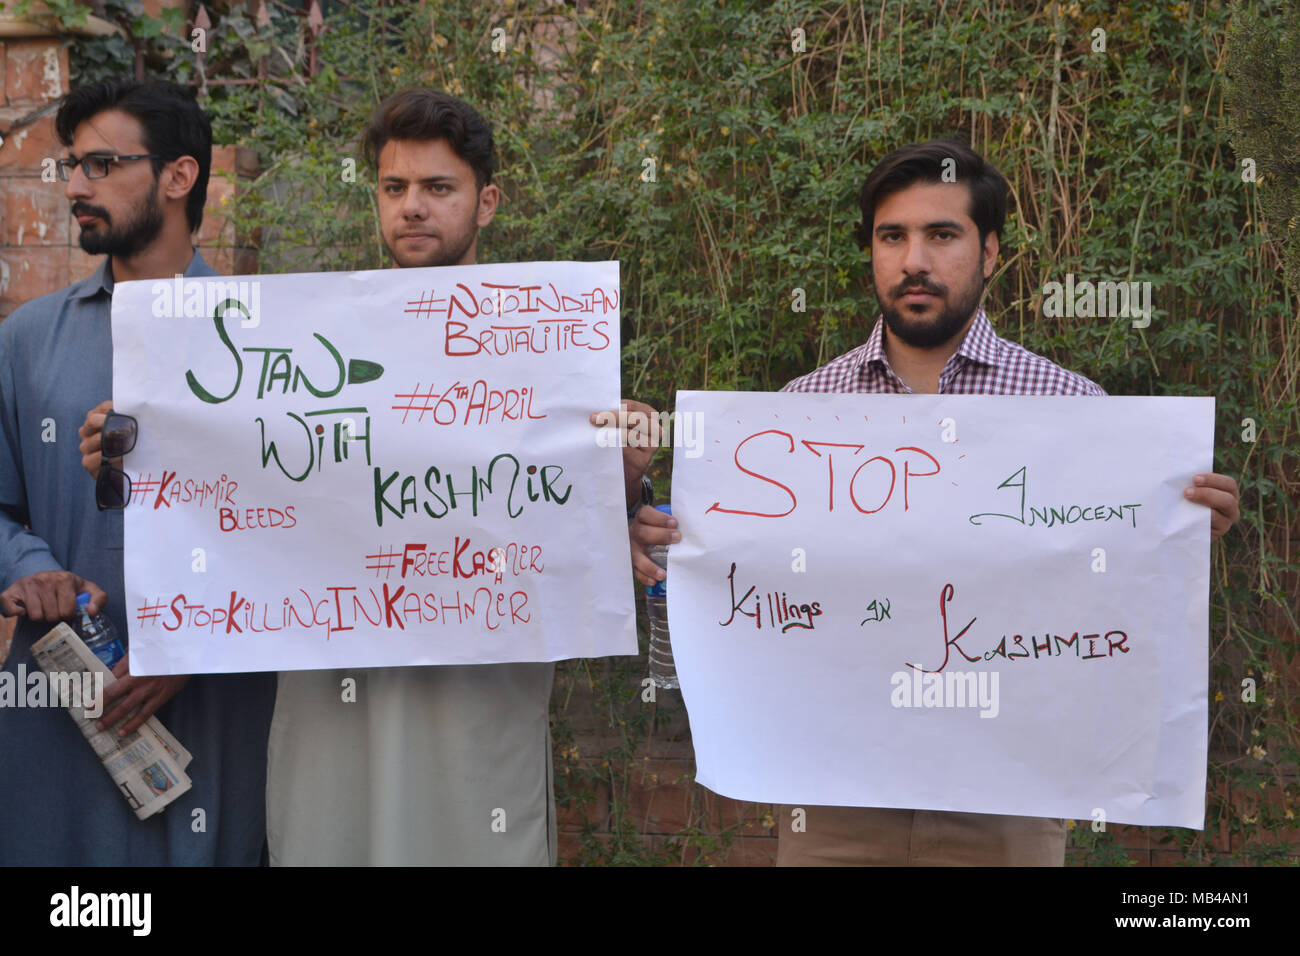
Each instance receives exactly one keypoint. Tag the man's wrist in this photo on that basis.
(647, 497)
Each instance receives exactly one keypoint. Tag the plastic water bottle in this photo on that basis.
(98, 633)
(662, 670)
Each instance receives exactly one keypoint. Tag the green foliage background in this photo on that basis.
(1121, 167)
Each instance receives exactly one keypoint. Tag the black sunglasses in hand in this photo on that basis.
(112, 486)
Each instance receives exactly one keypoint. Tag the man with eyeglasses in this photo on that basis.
(136, 174)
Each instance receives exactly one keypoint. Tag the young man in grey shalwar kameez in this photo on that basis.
(426, 763)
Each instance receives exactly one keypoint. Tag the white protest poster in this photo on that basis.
(373, 468)
(990, 604)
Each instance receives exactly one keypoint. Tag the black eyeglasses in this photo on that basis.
(112, 486)
(95, 167)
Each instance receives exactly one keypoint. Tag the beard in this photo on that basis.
(448, 252)
(142, 227)
(921, 334)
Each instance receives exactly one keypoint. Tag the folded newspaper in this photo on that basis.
(148, 766)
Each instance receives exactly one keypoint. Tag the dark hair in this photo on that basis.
(421, 114)
(174, 126)
(924, 162)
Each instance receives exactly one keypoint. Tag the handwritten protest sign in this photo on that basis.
(372, 469)
(990, 604)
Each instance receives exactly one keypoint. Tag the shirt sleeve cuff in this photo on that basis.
(33, 560)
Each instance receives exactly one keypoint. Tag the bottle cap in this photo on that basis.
(666, 509)
(83, 600)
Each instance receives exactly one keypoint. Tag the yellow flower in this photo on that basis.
(1069, 824)
(1218, 696)
(1289, 815)
(595, 67)
(1258, 752)
(726, 131)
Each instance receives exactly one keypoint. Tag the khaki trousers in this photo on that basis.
(871, 836)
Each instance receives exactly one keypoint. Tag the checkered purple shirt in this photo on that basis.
(984, 365)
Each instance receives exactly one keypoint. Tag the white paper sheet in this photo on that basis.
(861, 563)
(337, 439)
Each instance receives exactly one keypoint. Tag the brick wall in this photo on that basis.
(658, 794)
(35, 251)
(38, 237)
(35, 256)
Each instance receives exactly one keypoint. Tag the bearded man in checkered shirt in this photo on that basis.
(934, 244)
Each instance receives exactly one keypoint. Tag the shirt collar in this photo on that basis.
(981, 343)
(101, 280)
